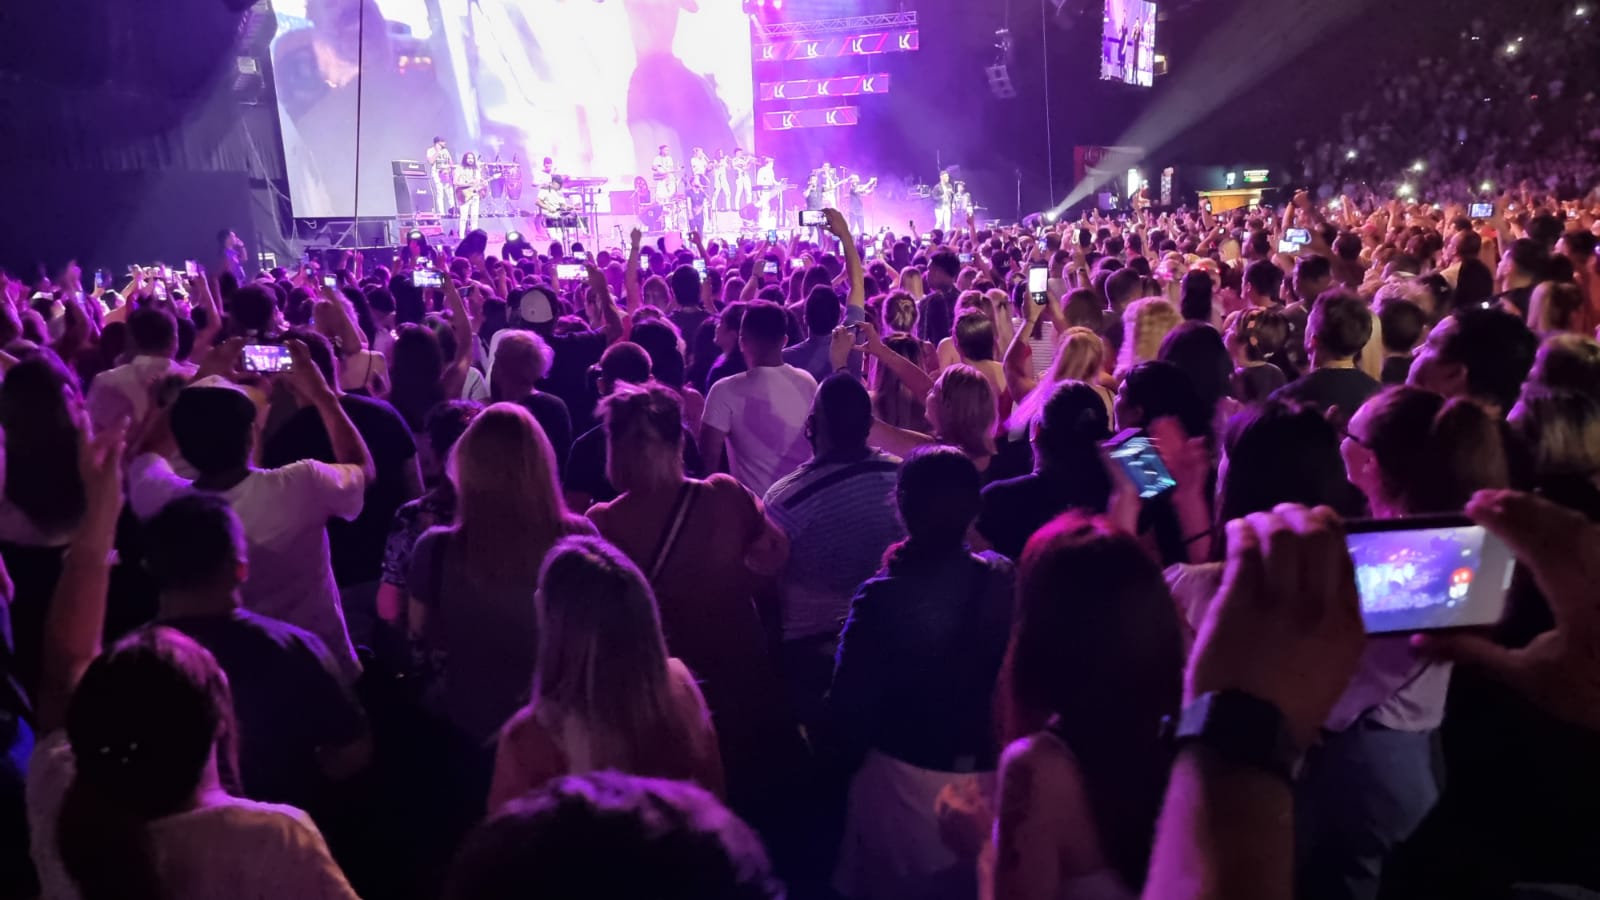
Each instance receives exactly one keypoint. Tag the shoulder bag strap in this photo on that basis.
(669, 537)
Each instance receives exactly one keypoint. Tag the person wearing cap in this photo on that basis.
(284, 511)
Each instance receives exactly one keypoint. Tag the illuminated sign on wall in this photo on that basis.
(790, 119)
(898, 40)
(811, 88)
(1255, 176)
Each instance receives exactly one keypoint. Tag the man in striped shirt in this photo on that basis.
(838, 511)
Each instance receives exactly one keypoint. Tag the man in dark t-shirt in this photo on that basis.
(1339, 326)
(300, 729)
(355, 547)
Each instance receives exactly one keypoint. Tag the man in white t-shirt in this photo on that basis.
(759, 414)
(284, 511)
(124, 392)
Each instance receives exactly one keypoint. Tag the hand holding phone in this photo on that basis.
(426, 278)
(266, 359)
(1135, 454)
(1039, 284)
(1428, 573)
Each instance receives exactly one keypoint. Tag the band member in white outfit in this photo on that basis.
(944, 196)
(720, 194)
(439, 163)
(470, 188)
(766, 193)
(698, 163)
(741, 179)
(663, 173)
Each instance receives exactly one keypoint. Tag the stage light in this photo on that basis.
(1581, 12)
(777, 4)
(513, 236)
(1050, 218)
(1350, 154)
(1419, 166)
(1511, 49)
(1486, 186)
(1405, 190)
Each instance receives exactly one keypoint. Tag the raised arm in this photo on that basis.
(349, 448)
(611, 319)
(1018, 362)
(852, 257)
(916, 380)
(630, 274)
(455, 373)
(76, 615)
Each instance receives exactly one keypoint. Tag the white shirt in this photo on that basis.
(763, 412)
(285, 514)
(124, 392)
(233, 850)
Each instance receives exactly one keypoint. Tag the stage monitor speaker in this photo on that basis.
(413, 195)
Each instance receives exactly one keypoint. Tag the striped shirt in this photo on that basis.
(840, 517)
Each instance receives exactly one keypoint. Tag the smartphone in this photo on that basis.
(426, 278)
(1428, 573)
(580, 255)
(159, 288)
(99, 279)
(266, 358)
(872, 251)
(1481, 210)
(812, 218)
(771, 268)
(700, 266)
(1038, 283)
(570, 271)
(330, 281)
(965, 258)
(772, 236)
(1288, 247)
(796, 264)
(1135, 454)
(1301, 236)
(191, 268)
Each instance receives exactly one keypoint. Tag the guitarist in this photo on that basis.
(470, 188)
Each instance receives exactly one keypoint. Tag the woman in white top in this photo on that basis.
(126, 793)
(605, 693)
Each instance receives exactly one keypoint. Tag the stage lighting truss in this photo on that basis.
(766, 32)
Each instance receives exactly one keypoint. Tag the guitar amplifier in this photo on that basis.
(409, 167)
(413, 195)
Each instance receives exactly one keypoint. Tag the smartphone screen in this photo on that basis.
(1299, 236)
(569, 271)
(190, 268)
(1288, 247)
(99, 279)
(330, 281)
(265, 358)
(1135, 454)
(425, 278)
(965, 258)
(580, 255)
(797, 264)
(812, 218)
(872, 251)
(771, 268)
(772, 236)
(1481, 210)
(700, 266)
(1428, 573)
(1038, 282)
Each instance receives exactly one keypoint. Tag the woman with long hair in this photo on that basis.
(471, 584)
(914, 680)
(360, 370)
(420, 374)
(1145, 324)
(892, 401)
(706, 548)
(961, 408)
(1079, 353)
(605, 693)
(1372, 780)
(1095, 663)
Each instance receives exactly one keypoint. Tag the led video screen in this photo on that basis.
(595, 85)
(1128, 42)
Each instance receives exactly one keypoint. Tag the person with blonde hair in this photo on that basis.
(962, 410)
(1562, 427)
(471, 583)
(361, 370)
(1145, 324)
(910, 281)
(1555, 308)
(705, 548)
(1078, 358)
(605, 693)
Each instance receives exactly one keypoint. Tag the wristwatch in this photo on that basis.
(1241, 728)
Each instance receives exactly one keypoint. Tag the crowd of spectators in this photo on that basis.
(751, 567)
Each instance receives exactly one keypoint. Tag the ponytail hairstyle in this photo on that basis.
(1433, 453)
(142, 724)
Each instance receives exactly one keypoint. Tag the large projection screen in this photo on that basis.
(596, 86)
(1128, 42)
